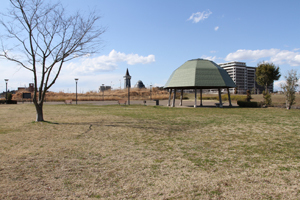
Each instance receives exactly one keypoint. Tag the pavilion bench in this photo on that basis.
(68, 101)
(122, 101)
(156, 102)
(218, 104)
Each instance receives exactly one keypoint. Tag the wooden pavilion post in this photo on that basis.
(174, 96)
(181, 96)
(220, 98)
(230, 105)
(201, 97)
(170, 93)
(195, 105)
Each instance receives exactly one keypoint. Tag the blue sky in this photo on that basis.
(153, 38)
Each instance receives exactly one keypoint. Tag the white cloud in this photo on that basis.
(278, 84)
(200, 16)
(83, 69)
(286, 57)
(108, 62)
(213, 51)
(243, 54)
(296, 49)
(213, 58)
(276, 56)
(92, 82)
(216, 28)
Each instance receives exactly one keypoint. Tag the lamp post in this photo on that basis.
(102, 92)
(76, 80)
(150, 92)
(6, 80)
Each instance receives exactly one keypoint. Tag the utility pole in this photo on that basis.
(6, 80)
(103, 88)
(76, 80)
(150, 92)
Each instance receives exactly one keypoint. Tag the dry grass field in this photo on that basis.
(278, 100)
(108, 95)
(146, 152)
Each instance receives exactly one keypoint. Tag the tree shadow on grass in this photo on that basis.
(211, 106)
(48, 122)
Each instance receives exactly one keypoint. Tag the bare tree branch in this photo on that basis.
(46, 39)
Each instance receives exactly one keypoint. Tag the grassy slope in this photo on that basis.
(143, 152)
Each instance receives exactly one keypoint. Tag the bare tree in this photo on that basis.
(44, 38)
(289, 88)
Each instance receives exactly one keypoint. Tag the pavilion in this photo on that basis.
(199, 74)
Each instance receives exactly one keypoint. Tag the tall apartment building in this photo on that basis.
(244, 77)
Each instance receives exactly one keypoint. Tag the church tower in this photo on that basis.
(127, 78)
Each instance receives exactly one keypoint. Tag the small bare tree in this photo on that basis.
(43, 39)
(289, 88)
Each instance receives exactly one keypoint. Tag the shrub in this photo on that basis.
(267, 98)
(9, 101)
(233, 97)
(248, 96)
(249, 104)
(12, 102)
(9, 96)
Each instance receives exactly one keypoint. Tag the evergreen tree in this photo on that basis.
(266, 73)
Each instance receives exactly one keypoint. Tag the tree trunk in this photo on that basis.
(288, 105)
(39, 112)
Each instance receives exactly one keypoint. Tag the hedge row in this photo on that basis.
(8, 102)
(252, 104)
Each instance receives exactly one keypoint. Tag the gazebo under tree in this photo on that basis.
(199, 74)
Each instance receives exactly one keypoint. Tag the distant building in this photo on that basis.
(244, 78)
(139, 84)
(127, 78)
(104, 88)
(27, 89)
(31, 87)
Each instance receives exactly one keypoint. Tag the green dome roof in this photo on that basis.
(200, 73)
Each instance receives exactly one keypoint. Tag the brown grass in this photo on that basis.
(109, 95)
(277, 99)
(143, 152)
(144, 94)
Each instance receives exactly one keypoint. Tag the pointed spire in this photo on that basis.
(127, 73)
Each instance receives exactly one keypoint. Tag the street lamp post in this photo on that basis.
(150, 92)
(6, 80)
(103, 92)
(76, 80)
